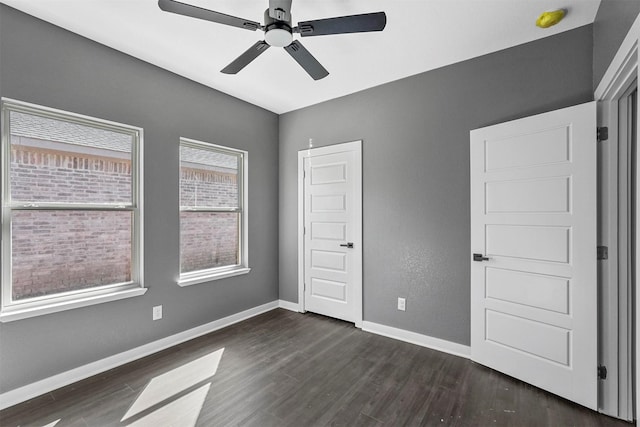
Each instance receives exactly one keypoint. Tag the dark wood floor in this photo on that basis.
(288, 369)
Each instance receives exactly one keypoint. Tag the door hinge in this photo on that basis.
(603, 134)
(602, 372)
(603, 252)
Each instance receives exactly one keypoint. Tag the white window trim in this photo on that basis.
(39, 306)
(55, 307)
(211, 274)
(202, 278)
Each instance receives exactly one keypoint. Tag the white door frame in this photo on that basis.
(355, 146)
(622, 71)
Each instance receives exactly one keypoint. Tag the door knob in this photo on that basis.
(347, 245)
(479, 258)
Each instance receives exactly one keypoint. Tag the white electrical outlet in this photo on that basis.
(157, 312)
(402, 304)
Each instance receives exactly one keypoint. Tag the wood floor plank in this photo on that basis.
(289, 369)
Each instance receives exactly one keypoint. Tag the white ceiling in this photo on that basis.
(421, 35)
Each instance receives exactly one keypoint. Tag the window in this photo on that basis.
(71, 220)
(212, 212)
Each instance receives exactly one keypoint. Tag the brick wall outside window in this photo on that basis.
(54, 251)
(208, 239)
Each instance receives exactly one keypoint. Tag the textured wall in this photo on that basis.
(43, 64)
(416, 171)
(610, 27)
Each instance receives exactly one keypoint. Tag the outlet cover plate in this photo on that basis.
(157, 312)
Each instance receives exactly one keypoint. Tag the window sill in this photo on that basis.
(12, 314)
(188, 281)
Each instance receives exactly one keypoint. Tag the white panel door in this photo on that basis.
(533, 220)
(332, 232)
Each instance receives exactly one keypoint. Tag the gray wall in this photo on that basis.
(46, 65)
(416, 171)
(610, 27)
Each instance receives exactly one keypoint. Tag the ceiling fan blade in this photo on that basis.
(306, 60)
(280, 10)
(343, 25)
(245, 59)
(206, 14)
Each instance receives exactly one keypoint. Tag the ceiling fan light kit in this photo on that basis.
(278, 37)
(279, 31)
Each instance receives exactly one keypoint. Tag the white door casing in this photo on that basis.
(626, 143)
(616, 335)
(533, 215)
(330, 231)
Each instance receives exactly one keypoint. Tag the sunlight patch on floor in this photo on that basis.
(166, 386)
(182, 412)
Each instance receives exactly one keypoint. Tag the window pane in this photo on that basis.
(57, 161)
(208, 178)
(58, 251)
(208, 240)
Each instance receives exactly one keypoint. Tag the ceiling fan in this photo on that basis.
(279, 31)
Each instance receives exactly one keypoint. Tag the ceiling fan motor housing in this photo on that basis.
(277, 33)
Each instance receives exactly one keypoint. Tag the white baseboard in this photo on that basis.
(29, 391)
(418, 339)
(293, 306)
(46, 385)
